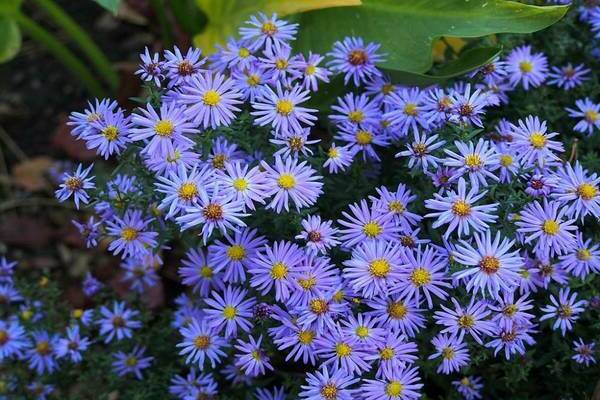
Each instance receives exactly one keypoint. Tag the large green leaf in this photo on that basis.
(226, 16)
(407, 29)
(110, 5)
(10, 39)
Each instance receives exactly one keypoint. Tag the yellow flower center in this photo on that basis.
(111, 132)
(564, 311)
(387, 353)
(211, 98)
(333, 152)
(3, 337)
(387, 88)
(591, 116)
(379, 268)
(358, 57)
(509, 310)
(306, 337)
(279, 270)
(343, 350)
(461, 208)
(372, 229)
(319, 306)
(420, 149)
(466, 321)
(284, 107)
(363, 138)
(295, 143)
(164, 128)
(506, 160)
(236, 252)
(77, 313)
(307, 283)
(362, 332)
(537, 140)
(420, 276)
(394, 388)
(525, 67)
(268, 28)
(489, 264)
(73, 183)
(206, 272)
(396, 207)
(131, 361)
(329, 391)
(550, 227)
(281, 63)
(587, 191)
(584, 254)
(239, 184)
(43, 348)
(213, 211)
(128, 234)
(218, 161)
(286, 181)
(410, 109)
(187, 191)
(253, 80)
(310, 69)
(202, 342)
(397, 310)
(448, 353)
(356, 116)
(229, 312)
(473, 161)
(243, 52)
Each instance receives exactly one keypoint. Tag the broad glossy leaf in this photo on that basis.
(10, 39)
(407, 29)
(110, 5)
(226, 16)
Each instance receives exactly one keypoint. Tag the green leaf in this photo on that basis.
(468, 61)
(226, 16)
(10, 39)
(407, 29)
(110, 5)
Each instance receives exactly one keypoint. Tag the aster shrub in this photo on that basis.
(400, 243)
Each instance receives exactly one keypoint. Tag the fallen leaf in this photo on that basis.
(64, 141)
(21, 231)
(31, 174)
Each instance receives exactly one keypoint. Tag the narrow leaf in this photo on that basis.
(10, 39)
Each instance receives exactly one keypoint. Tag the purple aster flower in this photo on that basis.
(230, 311)
(82, 122)
(180, 69)
(392, 353)
(162, 133)
(151, 68)
(492, 72)
(251, 359)
(314, 276)
(396, 203)
(237, 55)
(39, 390)
(548, 271)
(194, 385)
(201, 272)
(582, 259)
(72, 345)
(299, 341)
(477, 161)
(436, 106)
(509, 312)
(140, 273)
(568, 77)
(110, 134)
(235, 253)
(540, 185)
(131, 363)
(290, 180)
(374, 268)
(12, 340)
(404, 384)
(578, 190)
(589, 112)
(251, 81)
(511, 339)
(91, 285)
(325, 385)
(355, 60)
(338, 158)
(244, 183)
(341, 351)
(278, 64)
(457, 209)
(553, 235)
(422, 270)
(533, 144)
(362, 140)
(565, 308)
(210, 100)
(267, 31)
(171, 162)
(355, 111)
(394, 313)
(584, 352)
(379, 88)
(309, 71)
(471, 319)
(76, 185)
(527, 68)
(419, 151)
(320, 313)
(281, 110)
(363, 329)
(273, 394)
(182, 188)
(453, 352)
(407, 111)
(89, 231)
(468, 107)
(222, 153)
(131, 237)
(7, 270)
(509, 165)
(276, 267)
(319, 235)
(219, 210)
(42, 353)
(442, 178)
(294, 143)
(9, 294)
(200, 343)
(469, 387)
(117, 323)
(491, 265)
(366, 223)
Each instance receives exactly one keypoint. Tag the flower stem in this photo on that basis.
(83, 41)
(62, 53)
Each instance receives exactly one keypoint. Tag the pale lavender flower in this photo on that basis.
(355, 60)
(565, 308)
(589, 112)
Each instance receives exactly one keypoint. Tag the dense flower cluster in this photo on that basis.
(345, 296)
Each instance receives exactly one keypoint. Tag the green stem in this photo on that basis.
(83, 41)
(159, 9)
(61, 52)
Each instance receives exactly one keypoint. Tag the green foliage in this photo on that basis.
(10, 44)
(110, 5)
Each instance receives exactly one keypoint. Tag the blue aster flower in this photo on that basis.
(355, 60)
(76, 185)
(133, 362)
